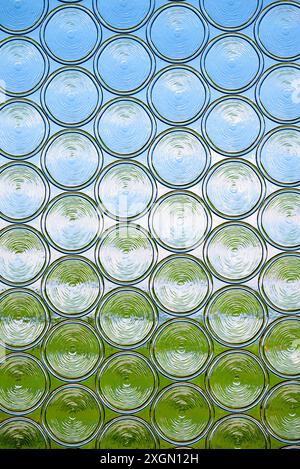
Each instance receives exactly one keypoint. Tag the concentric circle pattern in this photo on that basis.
(24, 383)
(278, 156)
(238, 432)
(234, 252)
(71, 96)
(125, 127)
(71, 159)
(21, 17)
(70, 34)
(126, 317)
(72, 286)
(280, 412)
(125, 190)
(232, 125)
(233, 188)
(23, 66)
(235, 316)
(230, 14)
(127, 433)
(72, 222)
(150, 225)
(24, 319)
(181, 349)
(125, 15)
(124, 64)
(279, 219)
(72, 350)
(127, 382)
(24, 191)
(181, 413)
(180, 284)
(236, 380)
(22, 433)
(280, 347)
(179, 221)
(277, 30)
(179, 158)
(126, 253)
(177, 32)
(279, 282)
(72, 415)
(24, 255)
(23, 130)
(277, 93)
(232, 63)
(178, 95)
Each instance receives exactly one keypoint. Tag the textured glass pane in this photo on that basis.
(149, 224)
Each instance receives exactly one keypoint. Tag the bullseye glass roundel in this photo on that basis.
(149, 224)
